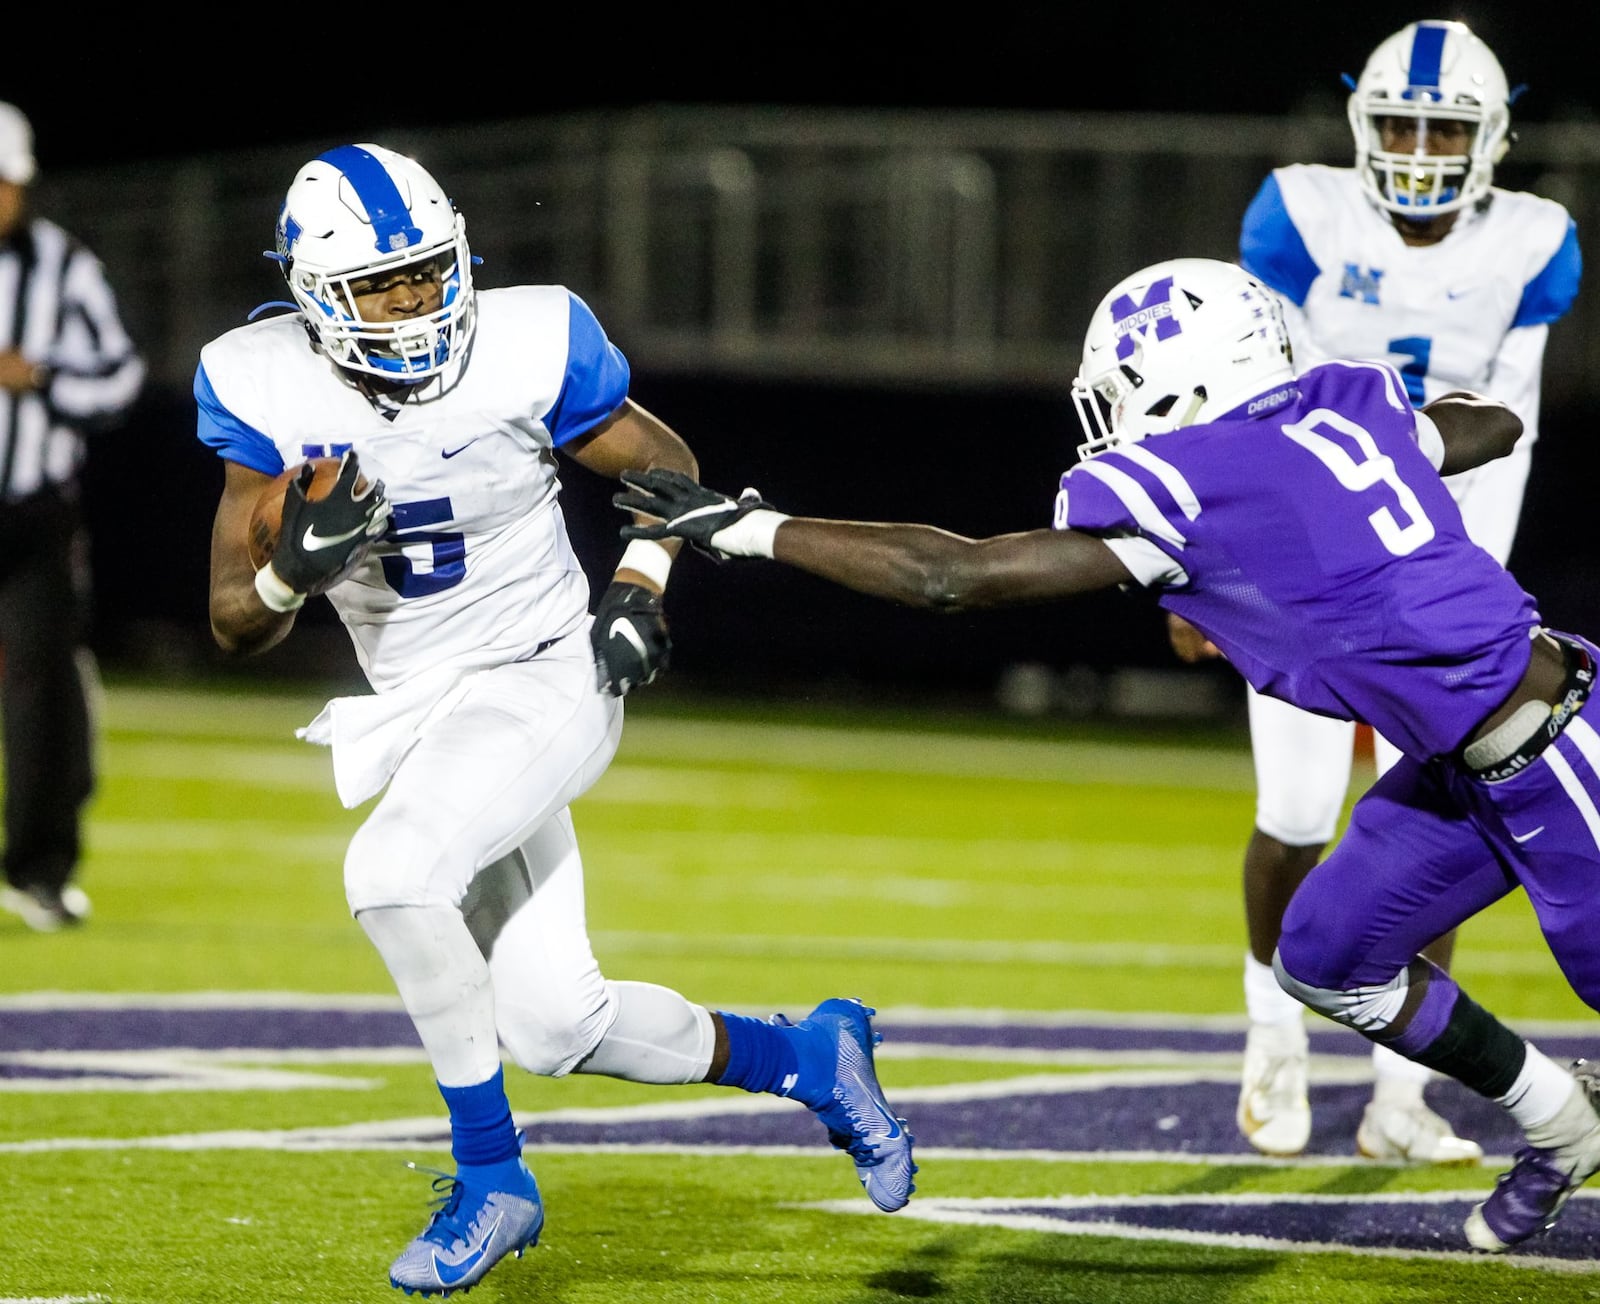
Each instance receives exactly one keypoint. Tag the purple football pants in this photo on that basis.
(1426, 849)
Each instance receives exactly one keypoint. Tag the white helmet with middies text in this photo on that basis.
(1180, 343)
(1431, 72)
(359, 212)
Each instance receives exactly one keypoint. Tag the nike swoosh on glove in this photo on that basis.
(688, 510)
(629, 637)
(322, 540)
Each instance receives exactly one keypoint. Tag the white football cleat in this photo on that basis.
(1415, 1134)
(47, 910)
(1274, 1111)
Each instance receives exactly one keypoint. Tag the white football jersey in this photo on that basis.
(477, 568)
(1470, 312)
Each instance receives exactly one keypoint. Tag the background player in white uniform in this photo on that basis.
(1411, 256)
(497, 700)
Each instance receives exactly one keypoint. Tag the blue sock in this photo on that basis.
(481, 1130)
(775, 1058)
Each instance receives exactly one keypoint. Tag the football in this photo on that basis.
(267, 518)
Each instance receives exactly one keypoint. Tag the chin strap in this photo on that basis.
(1186, 418)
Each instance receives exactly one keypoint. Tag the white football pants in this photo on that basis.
(468, 880)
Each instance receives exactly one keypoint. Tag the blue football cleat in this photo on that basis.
(473, 1228)
(855, 1112)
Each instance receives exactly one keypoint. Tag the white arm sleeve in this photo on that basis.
(1146, 562)
(1429, 440)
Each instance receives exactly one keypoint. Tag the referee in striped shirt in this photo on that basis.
(67, 367)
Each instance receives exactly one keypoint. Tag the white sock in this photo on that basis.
(1540, 1090)
(1397, 1080)
(1264, 1000)
(443, 981)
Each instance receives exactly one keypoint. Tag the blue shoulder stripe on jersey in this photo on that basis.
(1270, 247)
(1427, 49)
(596, 381)
(391, 219)
(234, 440)
(1548, 296)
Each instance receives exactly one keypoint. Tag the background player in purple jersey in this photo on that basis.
(1301, 524)
(1413, 256)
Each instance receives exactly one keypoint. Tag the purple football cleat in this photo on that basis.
(1561, 1155)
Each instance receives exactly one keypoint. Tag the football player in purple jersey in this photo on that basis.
(1413, 255)
(1300, 522)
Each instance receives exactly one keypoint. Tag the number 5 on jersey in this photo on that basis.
(442, 553)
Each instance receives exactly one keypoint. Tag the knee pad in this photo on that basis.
(1370, 1010)
(393, 861)
(550, 1035)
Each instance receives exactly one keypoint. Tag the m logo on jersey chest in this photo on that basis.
(1360, 283)
(1155, 309)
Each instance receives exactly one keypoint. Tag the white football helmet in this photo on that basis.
(1431, 71)
(1182, 342)
(360, 211)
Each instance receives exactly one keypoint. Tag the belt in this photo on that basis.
(1515, 744)
(543, 647)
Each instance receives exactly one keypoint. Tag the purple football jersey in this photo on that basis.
(1322, 554)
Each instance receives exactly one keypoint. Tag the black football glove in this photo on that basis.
(322, 541)
(688, 510)
(630, 638)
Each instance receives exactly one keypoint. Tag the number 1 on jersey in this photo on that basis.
(1418, 349)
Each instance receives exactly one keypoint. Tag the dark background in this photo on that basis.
(976, 461)
(152, 87)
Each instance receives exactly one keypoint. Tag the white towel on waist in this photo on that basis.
(371, 733)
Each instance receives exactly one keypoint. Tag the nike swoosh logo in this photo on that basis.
(1457, 294)
(451, 452)
(450, 1273)
(621, 625)
(890, 1119)
(314, 542)
(1524, 837)
(717, 508)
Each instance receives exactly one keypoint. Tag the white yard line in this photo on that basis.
(989, 1212)
(895, 1017)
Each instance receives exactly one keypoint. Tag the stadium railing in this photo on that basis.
(953, 248)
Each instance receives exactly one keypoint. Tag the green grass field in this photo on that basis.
(950, 871)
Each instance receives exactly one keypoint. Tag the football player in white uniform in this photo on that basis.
(1414, 257)
(497, 699)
